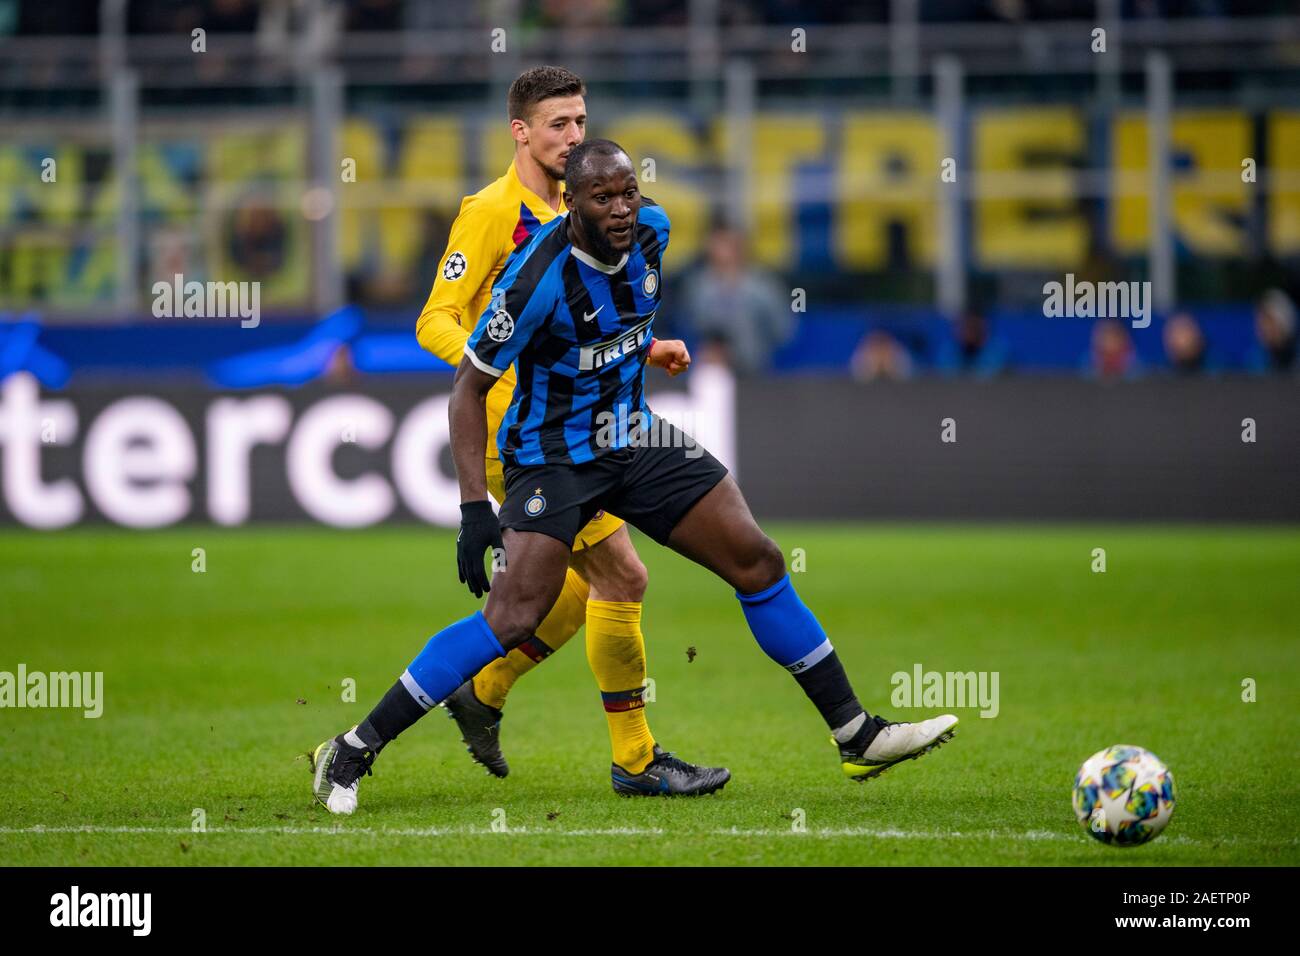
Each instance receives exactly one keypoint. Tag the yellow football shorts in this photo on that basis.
(595, 531)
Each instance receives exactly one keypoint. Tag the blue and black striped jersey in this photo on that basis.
(577, 330)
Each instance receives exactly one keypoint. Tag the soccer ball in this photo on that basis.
(1124, 795)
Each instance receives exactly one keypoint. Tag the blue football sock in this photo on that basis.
(784, 627)
(452, 656)
(789, 634)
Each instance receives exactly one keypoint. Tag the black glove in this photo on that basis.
(479, 531)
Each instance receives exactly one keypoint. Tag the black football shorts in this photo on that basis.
(650, 488)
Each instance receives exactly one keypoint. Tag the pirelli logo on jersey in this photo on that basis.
(600, 354)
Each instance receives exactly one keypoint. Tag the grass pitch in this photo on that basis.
(216, 683)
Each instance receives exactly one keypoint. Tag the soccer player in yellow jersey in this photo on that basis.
(606, 579)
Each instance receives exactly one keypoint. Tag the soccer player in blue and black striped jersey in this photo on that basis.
(574, 310)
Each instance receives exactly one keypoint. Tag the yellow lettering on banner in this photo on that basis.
(258, 169)
(73, 271)
(36, 268)
(1128, 163)
(676, 150)
(61, 201)
(359, 140)
(888, 173)
(105, 203)
(96, 280)
(97, 277)
(56, 203)
(1207, 197)
(12, 182)
(39, 255)
(235, 157)
(17, 182)
(779, 144)
(1029, 149)
(431, 173)
(1284, 201)
(161, 190)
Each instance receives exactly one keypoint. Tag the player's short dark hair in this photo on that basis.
(541, 83)
(580, 165)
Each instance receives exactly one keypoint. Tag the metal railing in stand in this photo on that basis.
(902, 51)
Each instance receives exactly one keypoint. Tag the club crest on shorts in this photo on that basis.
(501, 326)
(535, 505)
(454, 267)
(650, 283)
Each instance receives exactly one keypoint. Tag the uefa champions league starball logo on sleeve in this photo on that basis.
(501, 326)
(454, 267)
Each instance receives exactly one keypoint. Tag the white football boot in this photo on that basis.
(337, 766)
(893, 743)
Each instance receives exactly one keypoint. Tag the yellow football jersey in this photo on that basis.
(488, 227)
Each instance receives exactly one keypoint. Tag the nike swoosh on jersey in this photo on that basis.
(589, 316)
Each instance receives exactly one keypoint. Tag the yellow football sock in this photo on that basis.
(616, 653)
(493, 682)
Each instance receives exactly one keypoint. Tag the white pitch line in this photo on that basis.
(824, 833)
(339, 831)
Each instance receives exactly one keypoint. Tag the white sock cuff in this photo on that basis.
(415, 690)
(844, 734)
(812, 657)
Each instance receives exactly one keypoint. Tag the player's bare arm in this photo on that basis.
(468, 418)
(479, 529)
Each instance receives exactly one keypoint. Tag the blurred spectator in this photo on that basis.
(341, 371)
(50, 18)
(974, 348)
(802, 12)
(1185, 347)
(880, 356)
(230, 16)
(374, 15)
(164, 16)
(569, 14)
(737, 311)
(301, 31)
(655, 13)
(447, 16)
(1194, 8)
(1112, 356)
(1276, 332)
